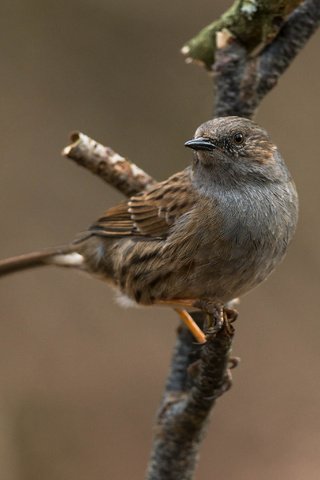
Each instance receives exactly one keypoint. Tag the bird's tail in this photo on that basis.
(65, 256)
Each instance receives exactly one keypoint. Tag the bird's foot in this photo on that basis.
(217, 316)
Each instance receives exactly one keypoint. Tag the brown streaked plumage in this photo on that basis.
(209, 233)
(149, 213)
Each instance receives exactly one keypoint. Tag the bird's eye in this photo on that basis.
(238, 138)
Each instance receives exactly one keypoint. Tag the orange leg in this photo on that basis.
(185, 316)
(218, 315)
(191, 325)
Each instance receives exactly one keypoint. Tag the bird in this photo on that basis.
(206, 235)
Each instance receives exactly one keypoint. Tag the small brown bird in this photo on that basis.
(207, 234)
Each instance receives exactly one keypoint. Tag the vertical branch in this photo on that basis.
(198, 376)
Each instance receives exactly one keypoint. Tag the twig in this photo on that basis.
(107, 164)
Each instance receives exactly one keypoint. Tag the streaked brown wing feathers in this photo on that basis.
(149, 213)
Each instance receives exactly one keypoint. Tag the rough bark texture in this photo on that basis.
(252, 22)
(111, 167)
(198, 376)
(242, 81)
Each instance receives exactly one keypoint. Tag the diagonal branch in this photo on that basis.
(277, 57)
(111, 167)
(241, 81)
(252, 22)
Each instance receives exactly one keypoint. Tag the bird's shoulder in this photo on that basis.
(150, 213)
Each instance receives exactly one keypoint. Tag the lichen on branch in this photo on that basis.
(252, 22)
(111, 167)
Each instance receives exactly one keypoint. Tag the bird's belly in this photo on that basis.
(238, 271)
(165, 275)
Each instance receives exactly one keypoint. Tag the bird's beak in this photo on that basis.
(200, 143)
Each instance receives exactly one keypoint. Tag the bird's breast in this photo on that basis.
(247, 238)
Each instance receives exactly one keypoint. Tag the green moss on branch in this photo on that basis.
(252, 22)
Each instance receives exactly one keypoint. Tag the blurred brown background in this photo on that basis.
(80, 378)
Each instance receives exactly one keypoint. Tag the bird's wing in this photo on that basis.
(151, 213)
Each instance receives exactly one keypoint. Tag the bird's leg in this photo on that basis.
(185, 316)
(191, 325)
(217, 315)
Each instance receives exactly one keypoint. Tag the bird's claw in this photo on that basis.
(217, 316)
(233, 362)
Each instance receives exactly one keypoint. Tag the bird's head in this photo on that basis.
(235, 147)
